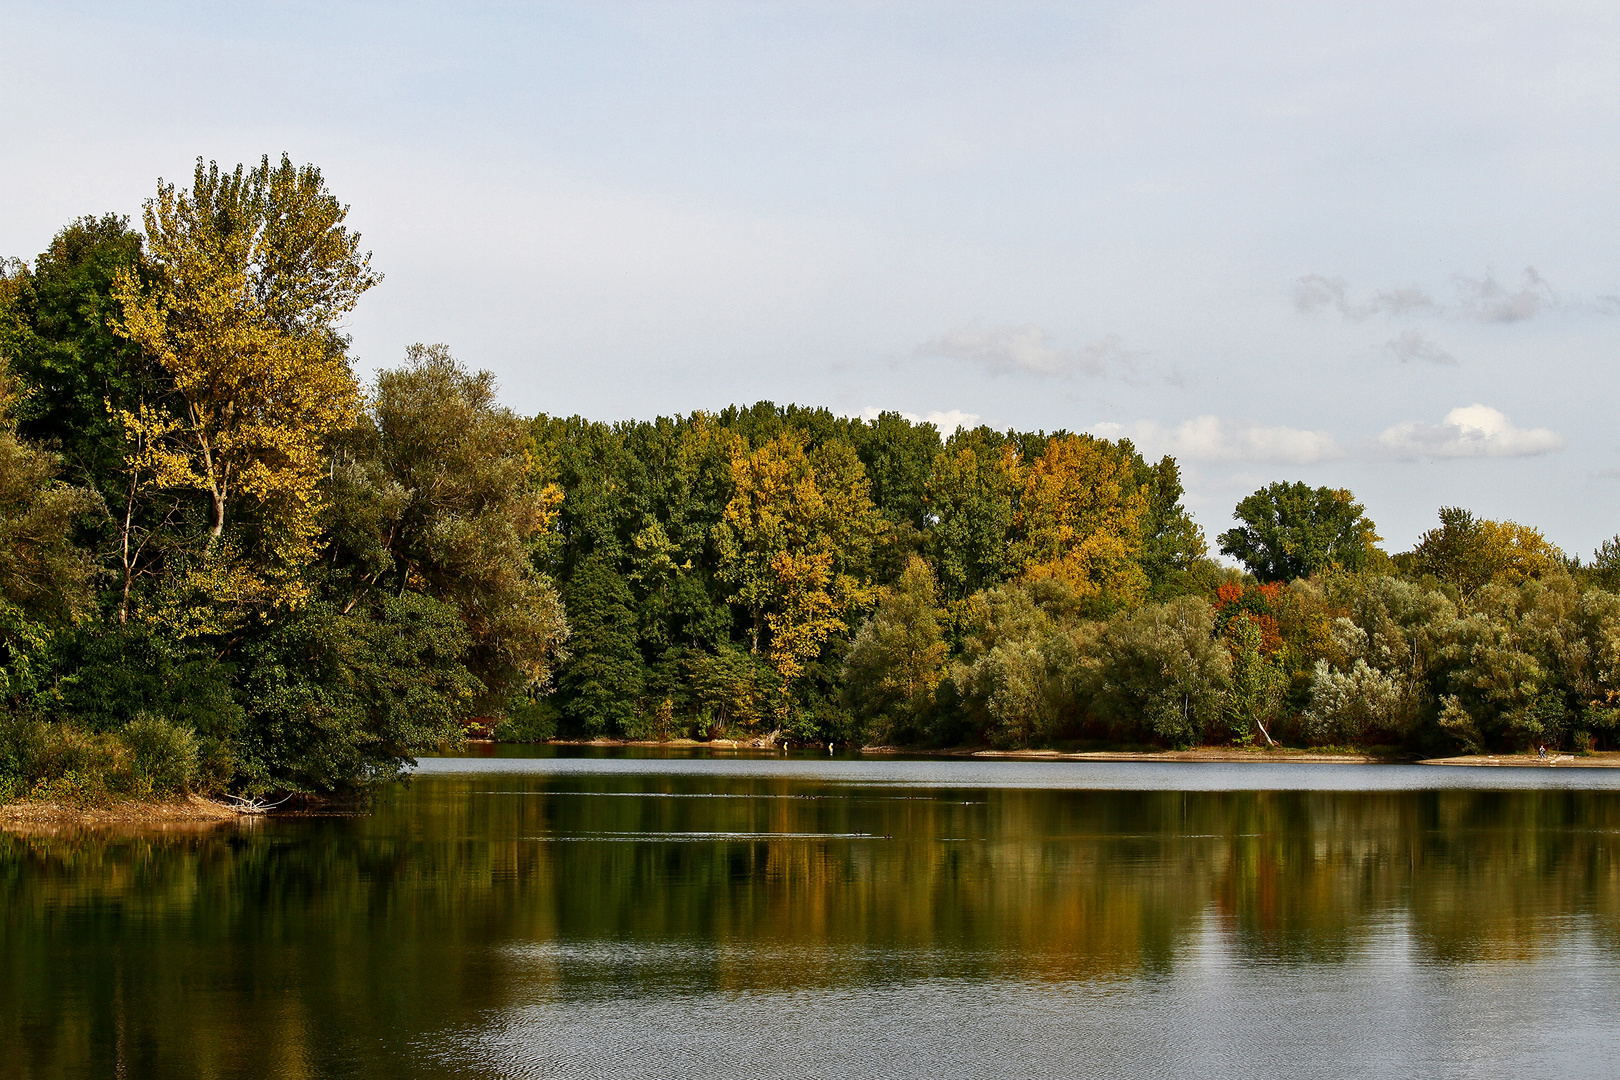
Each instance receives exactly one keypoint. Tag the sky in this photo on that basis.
(1365, 245)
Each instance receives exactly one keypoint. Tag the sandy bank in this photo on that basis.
(1211, 753)
(195, 812)
(1604, 760)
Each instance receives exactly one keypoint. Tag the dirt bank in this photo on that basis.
(192, 813)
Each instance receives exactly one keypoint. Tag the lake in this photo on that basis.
(575, 913)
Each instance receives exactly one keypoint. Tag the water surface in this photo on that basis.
(627, 914)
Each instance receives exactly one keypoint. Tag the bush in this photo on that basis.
(528, 722)
(22, 745)
(163, 756)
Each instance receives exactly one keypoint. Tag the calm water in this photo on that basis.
(645, 916)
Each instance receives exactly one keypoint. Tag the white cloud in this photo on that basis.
(1414, 345)
(1211, 438)
(1471, 431)
(1024, 350)
(947, 422)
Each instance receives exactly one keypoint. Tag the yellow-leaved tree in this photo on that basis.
(250, 273)
(1079, 520)
(795, 541)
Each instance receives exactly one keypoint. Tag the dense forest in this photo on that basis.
(226, 564)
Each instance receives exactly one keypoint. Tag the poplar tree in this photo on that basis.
(249, 274)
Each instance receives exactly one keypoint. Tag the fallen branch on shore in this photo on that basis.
(244, 804)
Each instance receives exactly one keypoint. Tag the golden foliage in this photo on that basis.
(1079, 520)
(249, 274)
(794, 540)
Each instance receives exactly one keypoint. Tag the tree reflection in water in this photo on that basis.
(359, 946)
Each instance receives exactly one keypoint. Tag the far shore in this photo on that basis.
(1276, 755)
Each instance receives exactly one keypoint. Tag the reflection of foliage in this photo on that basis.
(378, 932)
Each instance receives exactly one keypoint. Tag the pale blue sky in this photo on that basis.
(1370, 245)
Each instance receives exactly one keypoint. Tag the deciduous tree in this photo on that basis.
(1291, 531)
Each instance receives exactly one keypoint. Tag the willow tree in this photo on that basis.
(249, 274)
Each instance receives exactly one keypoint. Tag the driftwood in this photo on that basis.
(246, 805)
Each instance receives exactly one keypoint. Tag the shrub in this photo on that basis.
(164, 757)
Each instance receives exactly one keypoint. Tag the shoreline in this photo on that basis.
(1609, 759)
(194, 814)
(197, 813)
(1209, 754)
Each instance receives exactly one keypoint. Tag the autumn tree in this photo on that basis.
(249, 274)
(1292, 531)
(795, 543)
(1468, 553)
(1079, 520)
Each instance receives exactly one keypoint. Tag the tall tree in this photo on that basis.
(1468, 553)
(441, 499)
(796, 543)
(1292, 531)
(1175, 557)
(970, 501)
(71, 368)
(250, 273)
(898, 656)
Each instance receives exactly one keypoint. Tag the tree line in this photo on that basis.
(226, 563)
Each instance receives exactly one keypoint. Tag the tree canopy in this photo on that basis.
(1292, 531)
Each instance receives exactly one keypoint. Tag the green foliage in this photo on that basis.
(1023, 670)
(1174, 555)
(1467, 553)
(56, 331)
(335, 700)
(149, 758)
(897, 658)
(1604, 569)
(1163, 674)
(438, 497)
(1258, 681)
(604, 680)
(1292, 531)
(164, 757)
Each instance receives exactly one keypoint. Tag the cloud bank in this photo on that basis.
(1024, 350)
(1482, 299)
(1214, 439)
(1470, 431)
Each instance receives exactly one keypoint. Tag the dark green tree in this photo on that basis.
(1292, 531)
(336, 701)
(71, 368)
(1174, 555)
(602, 682)
(438, 498)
